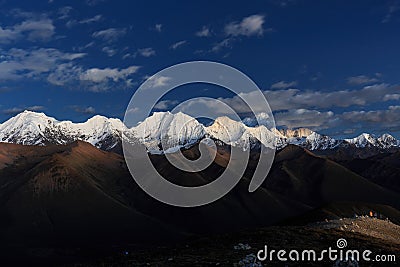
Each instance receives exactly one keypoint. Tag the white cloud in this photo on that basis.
(64, 73)
(178, 44)
(64, 12)
(91, 20)
(226, 43)
(110, 35)
(21, 63)
(287, 99)
(16, 110)
(360, 80)
(384, 120)
(74, 22)
(19, 13)
(312, 119)
(157, 81)
(204, 32)
(128, 55)
(36, 30)
(132, 110)
(84, 110)
(97, 75)
(41, 29)
(343, 123)
(8, 35)
(165, 104)
(109, 51)
(261, 118)
(93, 79)
(206, 107)
(283, 85)
(146, 52)
(61, 69)
(389, 116)
(294, 108)
(393, 8)
(158, 27)
(390, 97)
(248, 26)
(94, 2)
(71, 23)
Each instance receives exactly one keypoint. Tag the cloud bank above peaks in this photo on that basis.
(294, 108)
(294, 98)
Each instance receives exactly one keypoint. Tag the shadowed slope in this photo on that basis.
(78, 195)
(314, 180)
(382, 169)
(70, 194)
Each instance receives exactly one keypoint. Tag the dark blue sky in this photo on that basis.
(332, 66)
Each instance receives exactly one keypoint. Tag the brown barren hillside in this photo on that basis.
(77, 195)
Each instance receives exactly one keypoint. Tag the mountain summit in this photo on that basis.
(31, 128)
(166, 132)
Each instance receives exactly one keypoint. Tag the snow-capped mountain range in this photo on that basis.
(167, 132)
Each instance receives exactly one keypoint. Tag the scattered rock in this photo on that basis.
(249, 261)
(242, 246)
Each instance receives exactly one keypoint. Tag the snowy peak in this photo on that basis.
(164, 130)
(227, 130)
(167, 132)
(28, 128)
(236, 133)
(28, 118)
(363, 140)
(31, 128)
(316, 141)
(368, 140)
(162, 124)
(305, 138)
(387, 140)
(300, 132)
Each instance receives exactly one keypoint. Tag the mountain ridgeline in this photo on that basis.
(164, 132)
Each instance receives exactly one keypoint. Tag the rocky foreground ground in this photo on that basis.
(239, 249)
